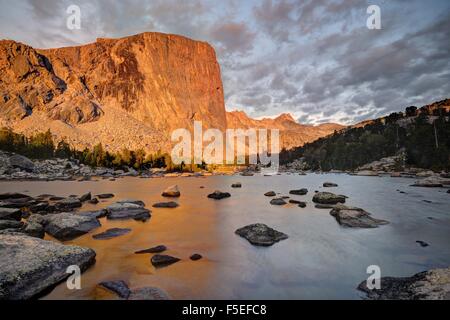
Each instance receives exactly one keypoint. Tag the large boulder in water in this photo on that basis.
(328, 198)
(428, 285)
(261, 235)
(29, 266)
(124, 210)
(68, 226)
(355, 217)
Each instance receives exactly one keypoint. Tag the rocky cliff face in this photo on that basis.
(292, 133)
(130, 92)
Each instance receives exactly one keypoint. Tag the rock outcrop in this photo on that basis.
(29, 266)
(153, 82)
(428, 285)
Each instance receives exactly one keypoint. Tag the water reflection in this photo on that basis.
(319, 260)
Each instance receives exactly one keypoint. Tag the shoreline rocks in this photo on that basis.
(427, 285)
(29, 266)
(261, 235)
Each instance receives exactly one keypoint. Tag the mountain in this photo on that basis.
(130, 93)
(422, 135)
(292, 133)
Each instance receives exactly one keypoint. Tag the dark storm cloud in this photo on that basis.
(313, 58)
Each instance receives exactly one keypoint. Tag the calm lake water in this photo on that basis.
(320, 260)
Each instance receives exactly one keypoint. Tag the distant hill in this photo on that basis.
(292, 133)
(422, 133)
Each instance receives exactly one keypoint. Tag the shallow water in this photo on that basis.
(320, 260)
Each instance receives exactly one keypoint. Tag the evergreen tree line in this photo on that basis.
(41, 146)
(423, 134)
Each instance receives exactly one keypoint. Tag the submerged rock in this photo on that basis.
(172, 192)
(170, 204)
(260, 234)
(29, 266)
(270, 194)
(67, 226)
(299, 192)
(355, 217)
(328, 198)
(218, 195)
(111, 233)
(105, 196)
(422, 243)
(236, 185)
(118, 287)
(195, 257)
(329, 185)
(157, 249)
(278, 202)
(301, 204)
(428, 285)
(161, 260)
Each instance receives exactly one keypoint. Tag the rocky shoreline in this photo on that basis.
(30, 265)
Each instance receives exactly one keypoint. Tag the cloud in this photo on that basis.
(313, 58)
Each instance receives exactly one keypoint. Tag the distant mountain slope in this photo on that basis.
(292, 133)
(129, 93)
(424, 135)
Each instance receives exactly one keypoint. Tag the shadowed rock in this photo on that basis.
(278, 202)
(122, 211)
(13, 195)
(428, 285)
(67, 226)
(105, 196)
(218, 195)
(10, 214)
(111, 233)
(21, 162)
(195, 257)
(170, 204)
(260, 234)
(236, 185)
(86, 197)
(329, 185)
(10, 224)
(29, 266)
(328, 198)
(355, 217)
(148, 293)
(299, 192)
(161, 260)
(157, 249)
(423, 244)
(118, 287)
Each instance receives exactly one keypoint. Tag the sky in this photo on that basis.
(315, 59)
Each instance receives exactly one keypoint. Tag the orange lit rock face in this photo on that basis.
(125, 93)
(292, 133)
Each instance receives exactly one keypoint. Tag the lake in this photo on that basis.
(320, 260)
